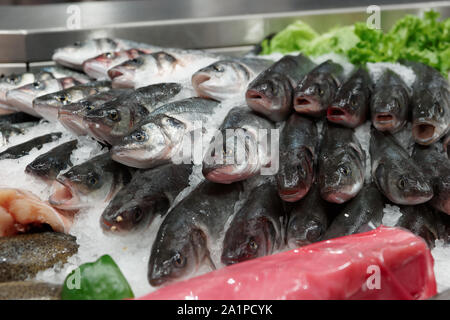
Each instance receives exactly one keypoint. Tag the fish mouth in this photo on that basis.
(292, 195)
(338, 115)
(109, 227)
(157, 281)
(121, 77)
(95, 69)
(228, 173)
(297, 243)
(336, 196)
(385, 122)
(424, 132)
(199, 83)
(230, 260)
(72, 123)
(307, 105)
(125, 157)
(64, 196)
(258, 101)
(66, 61)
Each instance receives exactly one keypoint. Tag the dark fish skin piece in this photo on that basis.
(316, 91)
(7, 130)
(20, 150)
(351, 104)
(361, 214)
(395, 173)
(421, 221)
(256, 229)
(271, 92)
(23, 256)
(29, 290)
(430, 104)
(308, 220)
(18, 117)
(446, 144)
(435, 164)
(299, 142)
(48, 165)
(48, 105)
(119, 117)
(389, 105)
(71, 115)
(150, 193)
(181, 244)
(341, 164)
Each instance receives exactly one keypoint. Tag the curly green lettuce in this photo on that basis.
(426, 40)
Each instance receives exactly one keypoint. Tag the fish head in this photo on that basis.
(248, 240)
(301, 232)
(270, 94)
(233, 160)
(150, 145)
(128, 73)
(74, 55)
(42, 168)
(341, 176)
(109, 121)
(72, 189)
(314, 93)
(220, 80)
(177, 256)
(403, 184)
(125, 213)
(71, 116)
(389, 109)
(431, 116)
(295, 176)
(344, 109)
(98, 66)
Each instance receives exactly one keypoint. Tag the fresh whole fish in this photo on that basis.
(421, 221)
(361, 214)
(271, 93)
(29, 290)
(98, 179)
(48, 105)
(435, 164)
(430, 104)
(183, 241)
(256, 229)
(158, 67)
(316, 91)
(71, 116)
(226, 79)
(21, 99)
(239, 154)
(163, 133)
(48, 165)
(21, 211)
(150, 193)
(395, 173)
(389, 105)
(74, 55)
(98, 66)
(23, 256)
(20, 150)
(341, 164)
(298, 150)
(308, 220)
(351, 104)
(117, 118)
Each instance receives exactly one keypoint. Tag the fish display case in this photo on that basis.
(69, 143)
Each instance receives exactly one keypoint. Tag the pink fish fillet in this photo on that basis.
(19, 208)
(385, 263)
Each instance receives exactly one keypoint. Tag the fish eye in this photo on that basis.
(92, 181)
(77, 44)
(401, 183)
(179, 261)
(344, 170)
(440, 109)
(113, 115)
(135, 60)
(108, 55)
(139, 136)
(218, 68)
(253, 245)
(62, 98)
(36, 84)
